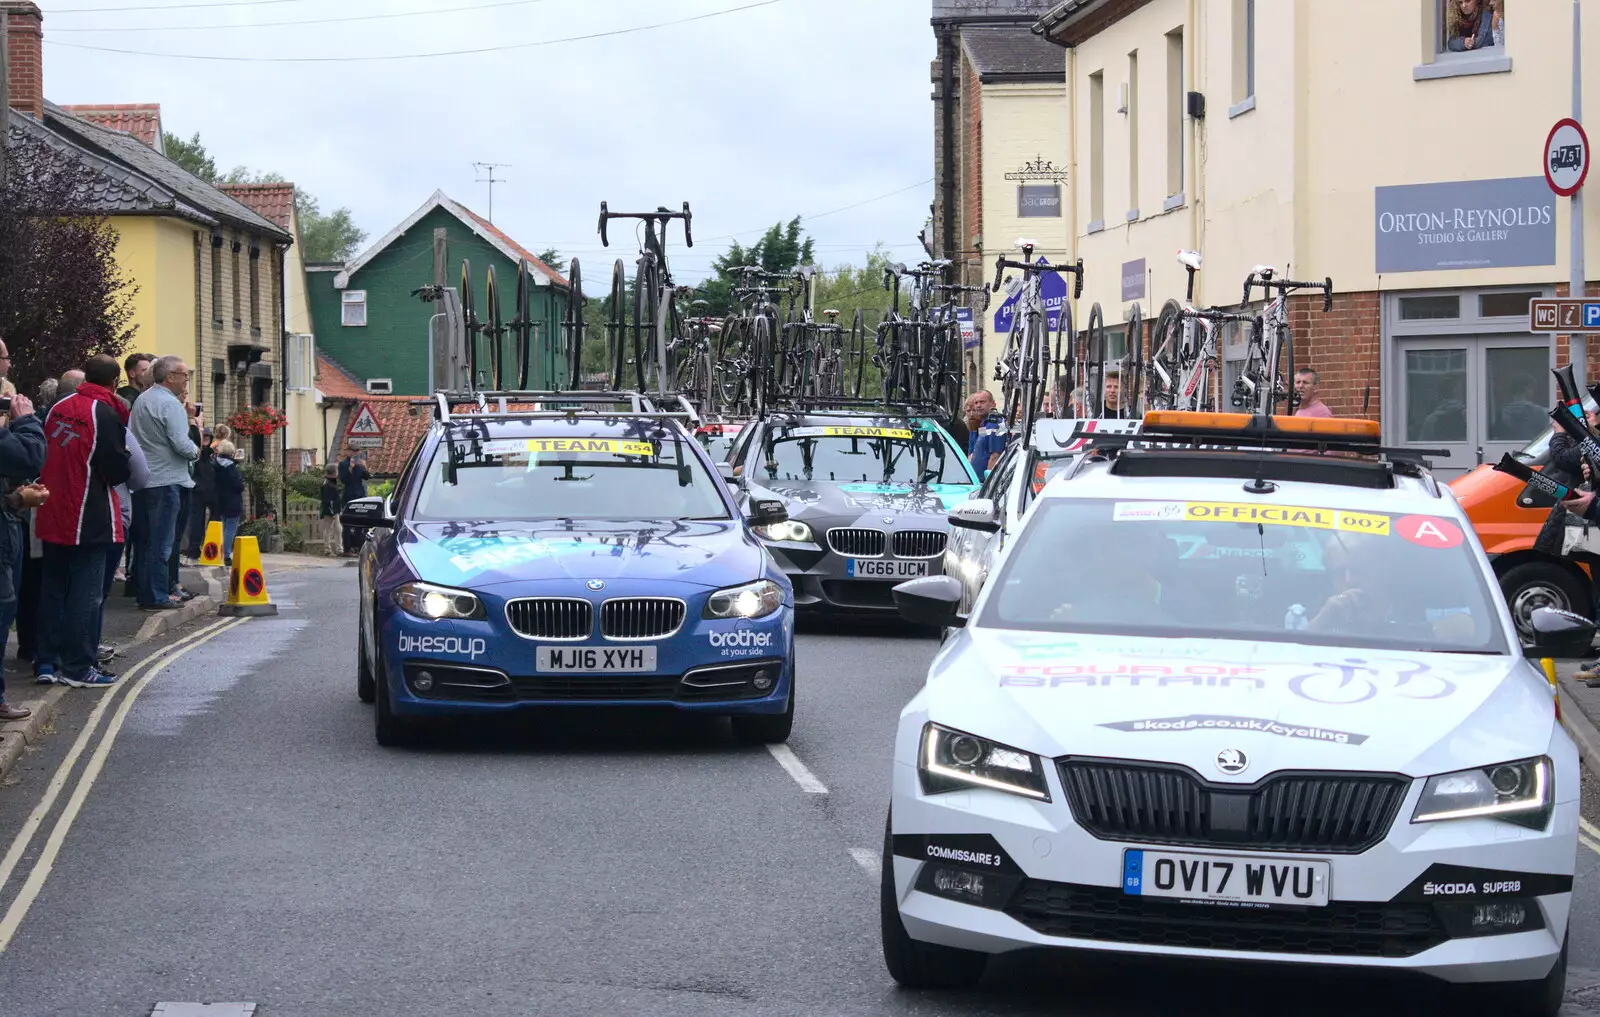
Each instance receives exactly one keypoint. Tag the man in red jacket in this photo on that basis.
(86, 456)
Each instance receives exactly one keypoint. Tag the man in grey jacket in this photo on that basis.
(161, 426)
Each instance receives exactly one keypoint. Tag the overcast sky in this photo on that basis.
(794, 107)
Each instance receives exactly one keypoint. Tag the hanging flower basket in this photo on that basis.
(259, 421)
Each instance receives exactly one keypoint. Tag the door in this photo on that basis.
(1473, 397)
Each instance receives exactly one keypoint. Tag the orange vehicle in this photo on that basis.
(1507, 516)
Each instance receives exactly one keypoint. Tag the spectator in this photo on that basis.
(353, 478)
(329, 513)
(203, 501)
(21, 458)
(161, 426)
(1306, 381)
(185, 499)
(68, 384)
(1471, 26)
(138, 479)
(86, 458)
(32, 558)
(229, 487)
(1079, 403)
(47, 393)
(137, 366)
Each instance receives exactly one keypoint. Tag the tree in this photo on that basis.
(63, 298)
(191, 155)
(550, 256)
(783, 248)
(330, 236)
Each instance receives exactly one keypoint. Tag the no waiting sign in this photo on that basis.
(1566, 157)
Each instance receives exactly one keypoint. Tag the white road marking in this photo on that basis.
(52, 791)
(46, 861)
(799, 771)
(868, 859)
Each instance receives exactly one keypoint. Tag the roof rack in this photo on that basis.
(818, 404)
(558, 406)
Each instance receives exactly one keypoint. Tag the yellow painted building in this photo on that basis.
(1363, 141)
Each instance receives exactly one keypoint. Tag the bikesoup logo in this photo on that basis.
(454, 646)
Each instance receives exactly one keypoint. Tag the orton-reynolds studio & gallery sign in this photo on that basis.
(1466, 224)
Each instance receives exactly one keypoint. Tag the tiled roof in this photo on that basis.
(334, 382)
(102, 186)
(140, 119)
(533, 259)
(403, 425)
(274, 202)
(1005, 52)
(190, 189)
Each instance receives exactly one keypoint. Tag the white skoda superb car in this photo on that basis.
(1220, 703)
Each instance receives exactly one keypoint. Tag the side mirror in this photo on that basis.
(766, 512)
(1554, 621)
(977, 514)
(931, 600)
(367, 512)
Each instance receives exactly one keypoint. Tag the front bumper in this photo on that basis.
(1049, 883)
(823, 584)
(466, 668)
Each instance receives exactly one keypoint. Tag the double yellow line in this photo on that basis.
(135, 679)
(1588, 836)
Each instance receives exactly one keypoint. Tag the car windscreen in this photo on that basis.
(1256, 571)
(891, 454)
(569, 478)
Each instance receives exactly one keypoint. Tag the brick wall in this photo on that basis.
(236, 392)
(26, 76)
(971, 169)
(1344, 346)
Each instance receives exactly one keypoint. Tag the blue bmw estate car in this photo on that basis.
(546, 559)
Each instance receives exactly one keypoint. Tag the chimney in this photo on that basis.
(25, 66)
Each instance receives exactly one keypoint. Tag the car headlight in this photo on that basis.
(752, 600)
(789, 531)
(1520, 792)
(430, 602)
(957, 761)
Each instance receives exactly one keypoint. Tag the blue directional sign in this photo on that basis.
(1591, 315)
(1052, 288)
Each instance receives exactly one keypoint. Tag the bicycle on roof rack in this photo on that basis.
(1185, 355)
(643, 342)
(1022, 365)
(484, 339)
(917, 352)
(1260, 387)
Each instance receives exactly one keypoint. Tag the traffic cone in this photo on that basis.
(1549, 666)
(247, 584)
(211, 550)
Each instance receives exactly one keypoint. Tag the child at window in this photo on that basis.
(1471, 24)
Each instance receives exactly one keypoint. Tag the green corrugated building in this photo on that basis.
(367, 320)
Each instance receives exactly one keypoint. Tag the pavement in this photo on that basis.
(222, 827)
(131, 631)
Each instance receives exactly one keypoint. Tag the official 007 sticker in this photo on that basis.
(1307, 516)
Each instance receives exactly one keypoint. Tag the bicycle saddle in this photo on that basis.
(1190, 258)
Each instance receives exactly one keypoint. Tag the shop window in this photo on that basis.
(1518, 406)
(216, 279)
(1244, 57)
(255, 290)
(1430, 308)
(1097, 151)
(1436, 395)
(1175, 109)
(300, 363)
(1505, 305)
(238, 317)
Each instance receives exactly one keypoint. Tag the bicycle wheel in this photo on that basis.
(617, 326)
(469, 324)
(645, 324)
(728, 371)
(495, 331)
(1285, 353)
(1095, 362)
(1166, 358)
(761, 365)
(522, 327)
(1061, 365)
(572, 327)
(856, 349)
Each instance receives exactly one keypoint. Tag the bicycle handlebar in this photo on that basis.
(1002, 263)
(1214, 315)
(1286, 286)
(660, 215)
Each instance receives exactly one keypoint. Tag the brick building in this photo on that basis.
(1239, 129)
(996, 88)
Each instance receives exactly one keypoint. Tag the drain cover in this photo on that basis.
(204, 1010)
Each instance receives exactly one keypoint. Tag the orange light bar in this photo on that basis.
(1330, 427)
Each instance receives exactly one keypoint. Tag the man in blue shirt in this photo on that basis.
(989, 438)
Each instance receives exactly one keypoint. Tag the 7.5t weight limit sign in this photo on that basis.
(1566, 157)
